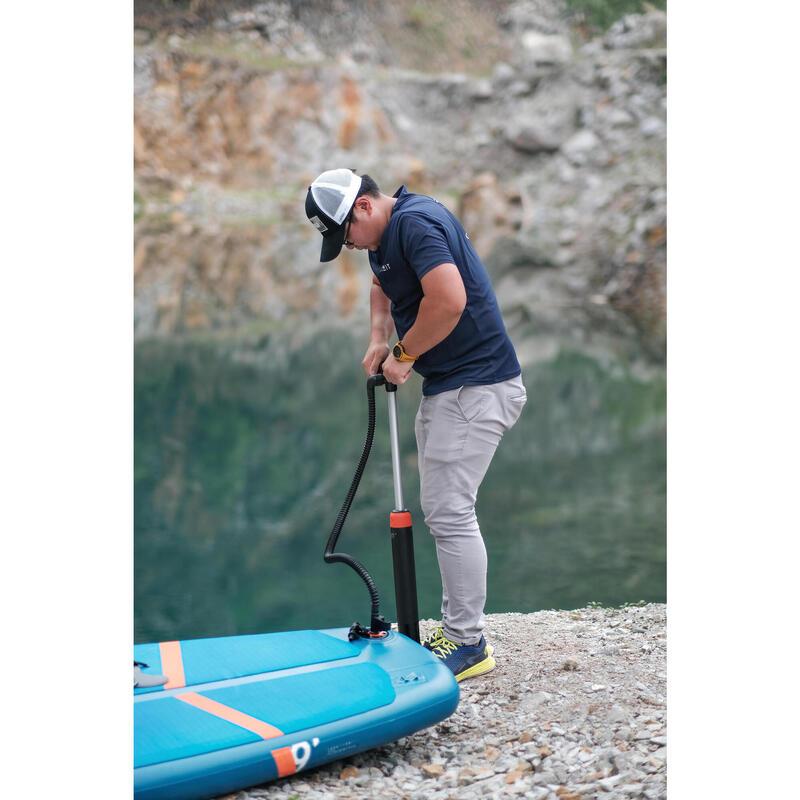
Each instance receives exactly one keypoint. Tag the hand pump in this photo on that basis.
(405, 579)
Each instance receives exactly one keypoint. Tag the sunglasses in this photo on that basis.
(346, 242)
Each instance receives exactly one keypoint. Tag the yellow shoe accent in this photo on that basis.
(487, 665)
(464, 660)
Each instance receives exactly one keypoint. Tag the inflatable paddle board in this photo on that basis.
(242, 710)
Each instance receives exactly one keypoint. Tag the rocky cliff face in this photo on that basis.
(548, 145)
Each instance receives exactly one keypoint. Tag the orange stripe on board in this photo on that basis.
(172, 664)
(257, 726)
(285, 761)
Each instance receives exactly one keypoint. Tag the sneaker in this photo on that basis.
(464, 660)
(433, 638)
(142, 679)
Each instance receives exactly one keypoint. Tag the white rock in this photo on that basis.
(609, 783)
(652, 126)
(543, 49)
(579, 146)
(503, 73)
(617, 715)
(619, 118)
(532, 701)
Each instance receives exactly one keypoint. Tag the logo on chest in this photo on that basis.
(384, 267)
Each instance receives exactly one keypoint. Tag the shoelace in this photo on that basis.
(438, 633)
(445, 648)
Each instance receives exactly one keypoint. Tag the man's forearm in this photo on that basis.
(381, 323)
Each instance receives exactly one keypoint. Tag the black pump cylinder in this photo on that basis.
(405, 577)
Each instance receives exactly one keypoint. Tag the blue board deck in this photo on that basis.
(242, 710)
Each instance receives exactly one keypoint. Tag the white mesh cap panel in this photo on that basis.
(335, 192)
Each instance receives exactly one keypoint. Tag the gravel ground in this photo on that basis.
(576, 708)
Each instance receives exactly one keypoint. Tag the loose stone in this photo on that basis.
(549, 734)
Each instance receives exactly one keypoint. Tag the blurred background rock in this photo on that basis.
(540, 122)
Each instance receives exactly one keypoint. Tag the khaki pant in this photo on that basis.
(457, 435)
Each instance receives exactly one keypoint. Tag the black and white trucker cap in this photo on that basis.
(329, 201)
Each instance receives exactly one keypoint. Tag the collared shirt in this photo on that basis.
(420, 235)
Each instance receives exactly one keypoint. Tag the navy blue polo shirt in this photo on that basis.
(422, 234)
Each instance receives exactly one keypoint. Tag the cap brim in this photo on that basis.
(332, 244)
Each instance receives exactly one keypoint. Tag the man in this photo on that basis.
(430, 286)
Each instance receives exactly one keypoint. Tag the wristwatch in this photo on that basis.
(399, 352)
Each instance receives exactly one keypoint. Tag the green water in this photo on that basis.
(242, 458)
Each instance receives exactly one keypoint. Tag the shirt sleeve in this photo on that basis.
(424, 244)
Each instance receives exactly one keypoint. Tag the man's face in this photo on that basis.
(363, 231)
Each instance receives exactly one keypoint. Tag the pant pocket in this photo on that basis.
(516, 399)
(471, 401)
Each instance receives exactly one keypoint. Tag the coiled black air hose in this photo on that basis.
(377, 623)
